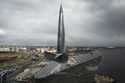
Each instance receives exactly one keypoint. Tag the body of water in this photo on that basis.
(113, 63)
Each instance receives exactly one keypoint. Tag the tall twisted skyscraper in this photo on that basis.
(61, 33)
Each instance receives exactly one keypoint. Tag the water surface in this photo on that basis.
(113, 63)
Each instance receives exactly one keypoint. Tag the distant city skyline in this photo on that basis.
(87, 22)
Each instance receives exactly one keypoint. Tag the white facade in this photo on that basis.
(5, 49)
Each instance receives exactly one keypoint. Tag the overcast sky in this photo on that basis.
(87, 22)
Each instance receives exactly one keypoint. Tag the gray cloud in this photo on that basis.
(87, 22)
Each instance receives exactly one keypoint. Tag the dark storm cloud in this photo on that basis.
(107, 22)
(112, 22)
(87, 22)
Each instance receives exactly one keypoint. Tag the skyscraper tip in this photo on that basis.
(60, 2)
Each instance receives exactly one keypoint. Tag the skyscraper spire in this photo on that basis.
(61, 2)
(61, 32)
